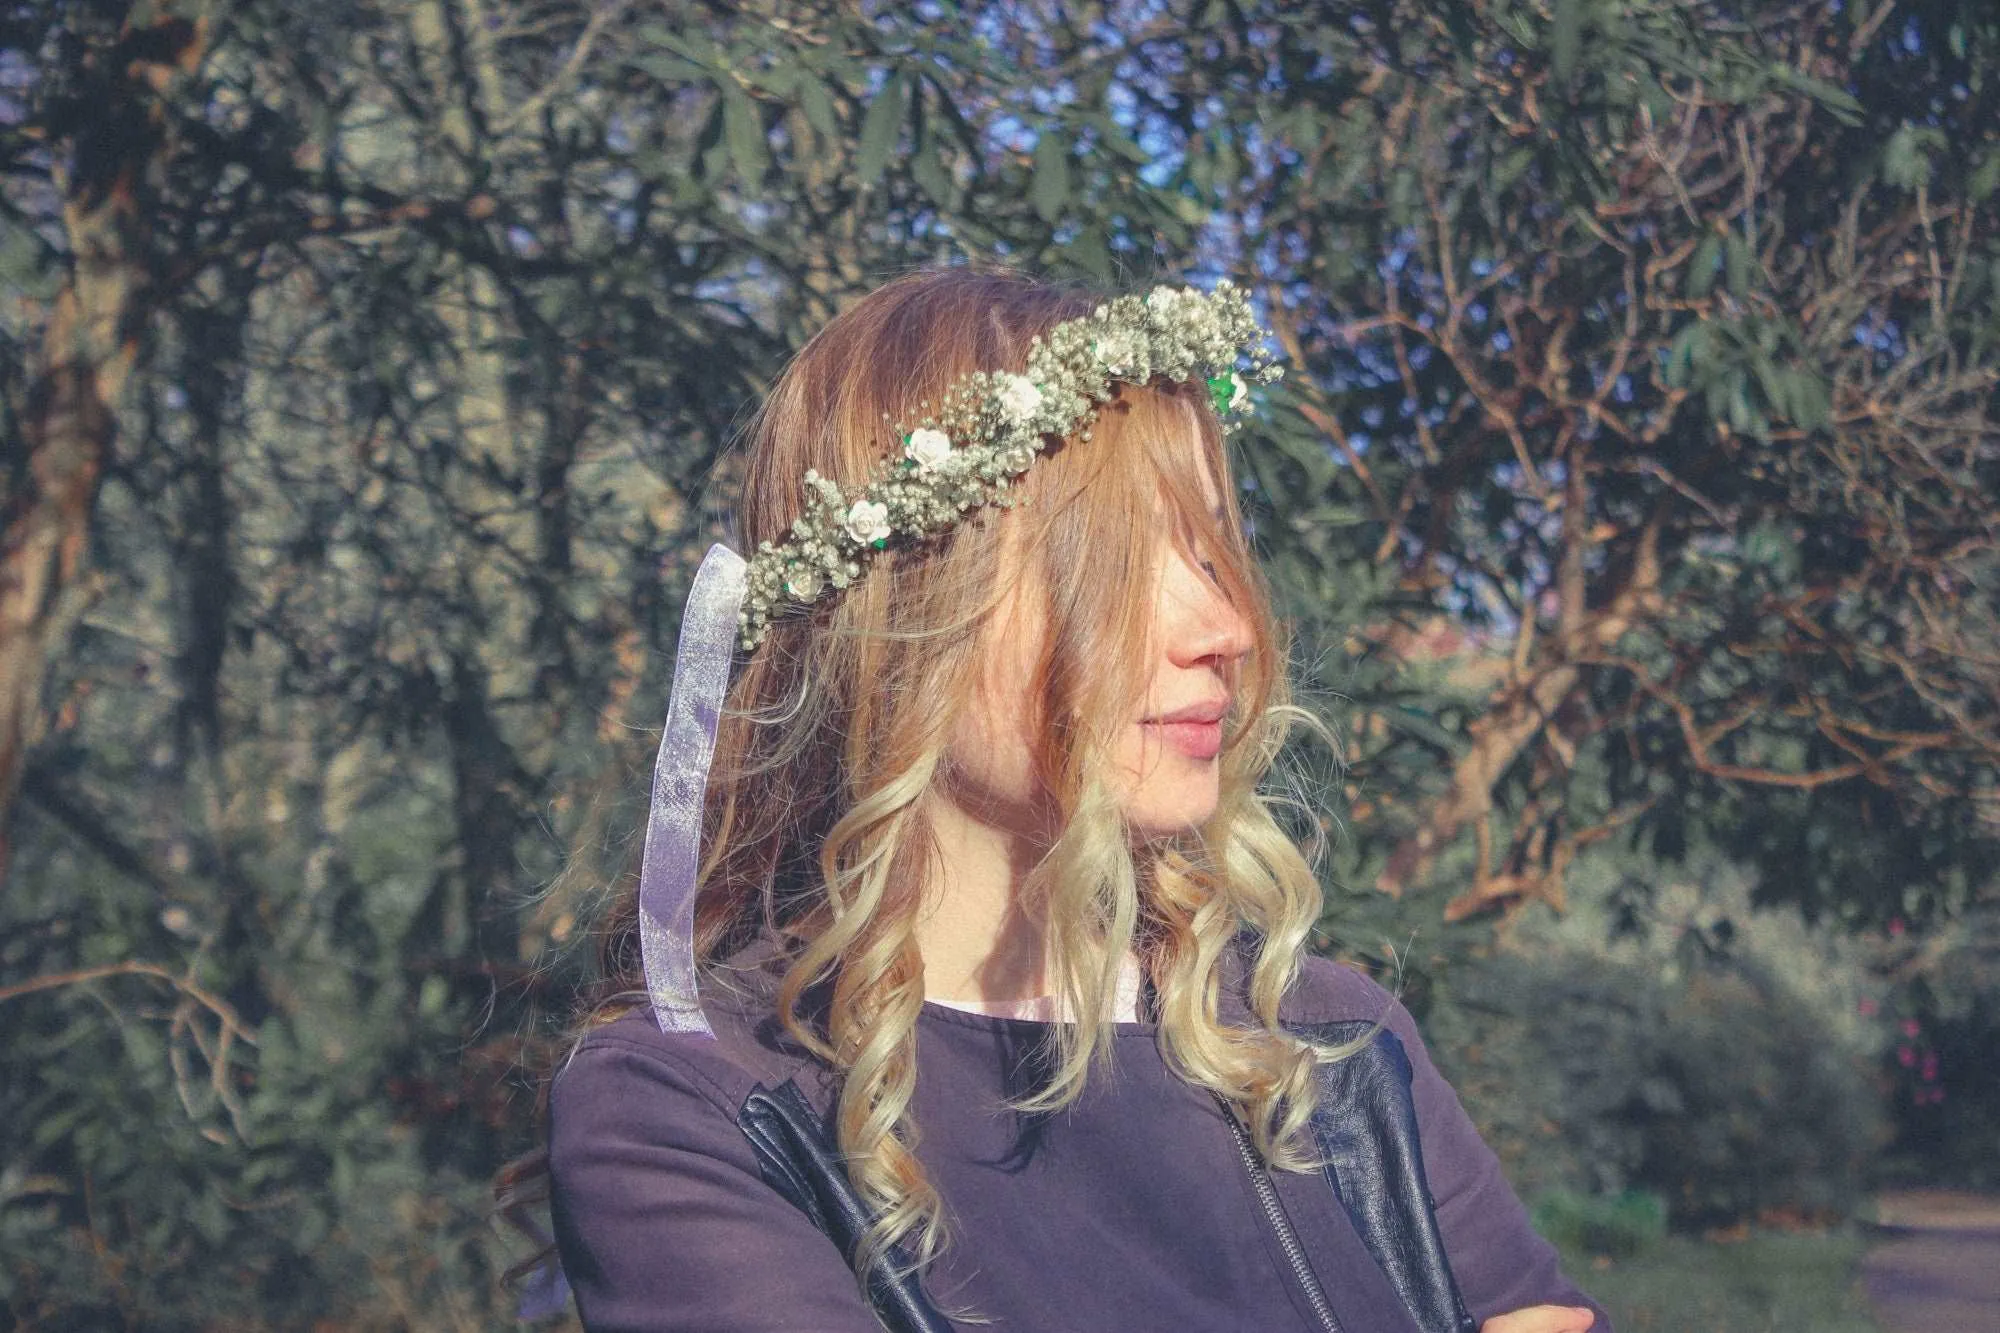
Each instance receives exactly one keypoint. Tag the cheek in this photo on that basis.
(991, 752)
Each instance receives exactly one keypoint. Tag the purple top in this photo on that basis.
(1128, 1210)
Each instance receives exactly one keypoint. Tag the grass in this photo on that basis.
(1768, 1282)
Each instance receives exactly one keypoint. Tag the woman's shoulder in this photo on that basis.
(1327, 991)
(746, 1048)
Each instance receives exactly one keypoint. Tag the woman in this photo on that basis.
(992, 1006)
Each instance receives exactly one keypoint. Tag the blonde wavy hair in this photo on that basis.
(817, 834)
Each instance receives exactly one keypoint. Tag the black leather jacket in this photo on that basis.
(1365, 1127)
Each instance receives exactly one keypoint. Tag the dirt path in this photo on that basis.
(1937, 1266)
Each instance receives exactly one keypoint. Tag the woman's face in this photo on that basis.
(1166, 769)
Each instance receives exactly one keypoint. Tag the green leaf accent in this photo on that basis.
(1736, 265)
(927, 167)
(1702, 268)
(1835, 99)
(1220, 391)
(1089, 253)
(1906, 158)
(1985, 177)
(668, 68)
(1510, 168)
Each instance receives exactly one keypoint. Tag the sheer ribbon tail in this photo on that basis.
(680, 776)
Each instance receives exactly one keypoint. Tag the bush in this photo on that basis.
(1942, 1026)
(1714, 1064)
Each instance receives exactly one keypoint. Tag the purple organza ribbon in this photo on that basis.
(680, 776)
(673, 832)
(545, 1291)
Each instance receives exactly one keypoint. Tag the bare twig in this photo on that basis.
(601, 18)
(224, 1012)
(184, 1025)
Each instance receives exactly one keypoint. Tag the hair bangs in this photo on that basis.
(1156, 460)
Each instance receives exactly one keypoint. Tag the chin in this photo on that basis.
(1167, 814)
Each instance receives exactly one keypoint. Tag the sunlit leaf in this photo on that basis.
(817, 104)
(744, 125)
(1565, 39)
(1049, 190)
(880, 126)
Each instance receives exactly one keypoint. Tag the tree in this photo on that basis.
(1655, 344)
(89, 175)
(447, 313)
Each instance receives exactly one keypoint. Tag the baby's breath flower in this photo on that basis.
(1118, 350)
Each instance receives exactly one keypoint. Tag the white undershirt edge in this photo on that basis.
(1042, 1008)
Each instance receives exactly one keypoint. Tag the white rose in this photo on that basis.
(1020, 400)
(928, 449)
(867, 521)
(805, 583)
(1239, 392)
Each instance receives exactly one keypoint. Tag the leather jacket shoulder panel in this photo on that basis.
(800, 1162)
(1366, 1129)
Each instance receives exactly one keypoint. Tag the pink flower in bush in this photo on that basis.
(1905, 1056)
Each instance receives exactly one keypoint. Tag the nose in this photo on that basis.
(1209, 629)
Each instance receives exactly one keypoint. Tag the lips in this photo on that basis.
(1195, 730)
(1207, 710)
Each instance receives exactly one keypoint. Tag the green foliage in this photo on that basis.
(1617, 1226)
(1599, 303)
(1725, 1100)
(1667, 1038)
(1778, 1282)
(1632, 483)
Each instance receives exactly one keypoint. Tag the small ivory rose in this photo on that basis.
(805, 583)
(928, 449)
(1239, 392)
(1020, 399)
(868, 521)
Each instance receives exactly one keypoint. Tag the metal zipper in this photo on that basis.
(1288, 1240)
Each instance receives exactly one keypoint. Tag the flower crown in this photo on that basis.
(989, 426)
